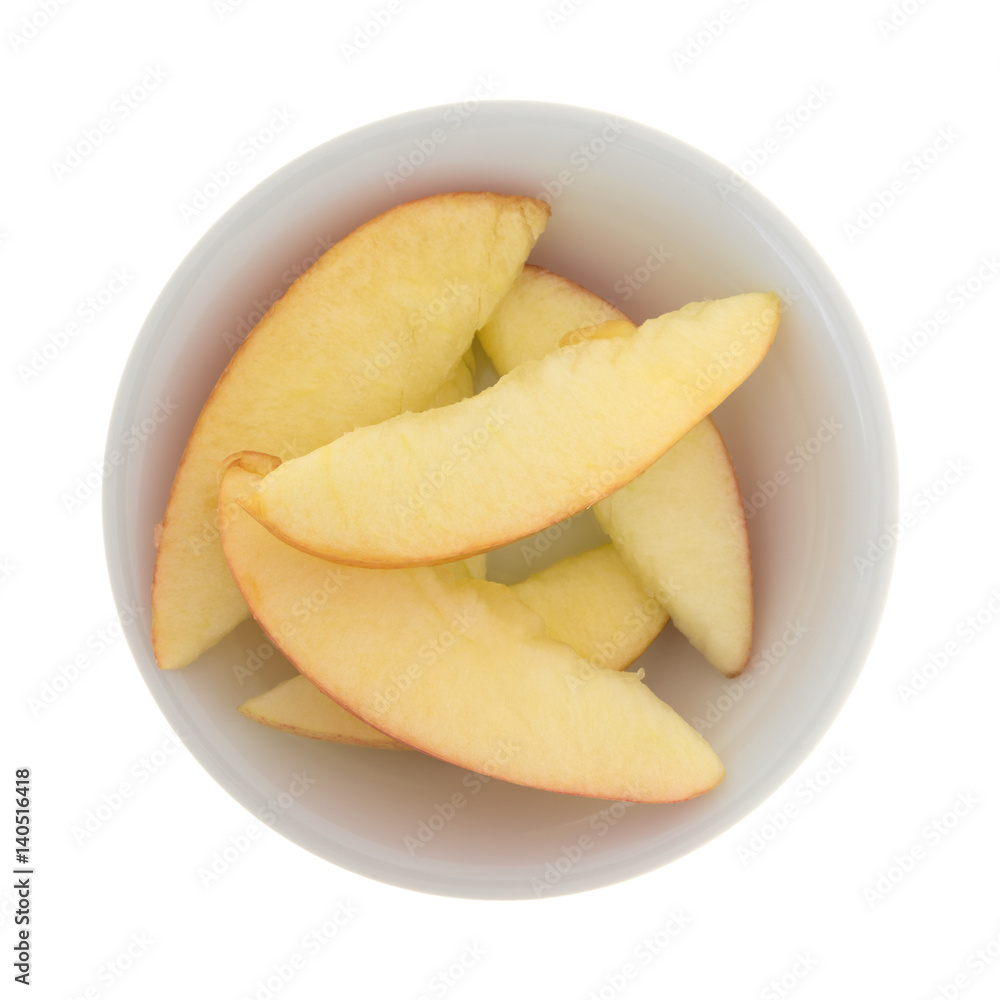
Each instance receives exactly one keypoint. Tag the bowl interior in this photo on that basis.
(651, 224)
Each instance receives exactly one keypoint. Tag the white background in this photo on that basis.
(797, 909)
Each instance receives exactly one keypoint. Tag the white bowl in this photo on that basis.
(621, 193)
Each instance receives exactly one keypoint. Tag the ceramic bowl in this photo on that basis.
(649, 222)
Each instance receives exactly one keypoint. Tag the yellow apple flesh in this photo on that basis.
(372, 329)
(590, 602)
(298, 706)
(479, 683)
(594, 604)
(681, 529)
(550, 438)
(535, 313)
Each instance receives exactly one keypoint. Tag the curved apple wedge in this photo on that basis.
(298, 706)
(681, 529)
(590, 601)
(462, 670)
(541, 307)
(549, 439)
(373, 328)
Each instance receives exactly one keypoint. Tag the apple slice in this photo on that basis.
(298, 706)
(680, 525)
(590, 601)
(594, 604)
(482, 687)
(535, 313)
(681, 529)
(549, 439)
(373, 328)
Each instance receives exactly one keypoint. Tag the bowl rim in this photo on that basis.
(882, 509)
